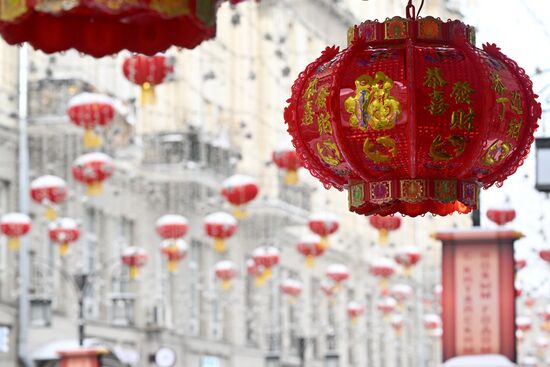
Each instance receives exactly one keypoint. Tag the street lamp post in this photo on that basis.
(81, 281)
(542, 182)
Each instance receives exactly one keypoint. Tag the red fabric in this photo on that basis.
(407, 259)
(501, 216)
(172, 253)
(323, 228)
(90, 115)
(388, 223)
(219, 230)
(291, 290)
(266, 260)
(241, 194)
(140, 69)
(310, 249)
(172, 231)
(137, 260)
(64, 235)
(54, 194)
(15, 229)
(337, 277)
(92, 172)
(287, 160)
(355, 311)
(226, 274)
(545, 255)
(381, 271)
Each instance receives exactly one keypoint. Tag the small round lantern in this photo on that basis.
(267, 257)
(285, 157)
(14, 226)
(520, 336)
(524, 323)
(256, 271)
(225, 271)
(338, 273)
(134, 258)
(91, 111)
(411, 117)
(501, 216)
(408, 257)
(542, 344)
(386, 305)
(355, 310)
(239, 190)
(64, 232)
(397, 322)
(401, 292)
(431, 322)
(383, 269)
(328, 287)
(292, 288)
(147, 72)
(174, 251)
(324, 224)
(384, 225)
(220, 226)
(172, 226)
(545, 254)
(529, 301)
(49, 191)
(92, 170)
(310, 247)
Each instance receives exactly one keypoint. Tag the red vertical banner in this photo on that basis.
(478, 293)
(84, 357)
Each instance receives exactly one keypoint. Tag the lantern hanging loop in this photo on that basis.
(411, 10)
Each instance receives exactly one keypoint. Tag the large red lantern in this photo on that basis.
(92, 170)
(239, 190)
(220, 226)
(99, 28)
(411, 117)
(49, 191)
(174, 251)
(64, 232)
(324, 224)
(408, 257)
(355, 310)
(383, 269)
(134, 258)
(172, 226)
(14, 226)
(267, 257)
(384, 225)
(91, 111)
(292, 288)
(501, 216)
(338, 273)
(147, 72)
(310, 247)
(285, 157)
(225, 271)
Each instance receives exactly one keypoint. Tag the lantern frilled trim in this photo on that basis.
(99, 28)
(49, 191)
(64, 232)
(174, 251)
(240, 190)
(147, 72)
(225, 271)
(14, 226)
(412, 118)
(310, 247)
(220, 226)
(92, 170)
(324, 224)
(284, 156)
(134, 258)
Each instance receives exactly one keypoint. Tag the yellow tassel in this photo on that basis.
(50, 214)
(259, 280)
(310, 261)
(172, 266)
(407, 271)
(134, 272)
(267, 273)
(386, 316)
(219, 245)
(291, 300)
(64, 248)
(354, 320)
(94, 189)
(383, 237)
(147, 94)
(226, 284)
(546, 326)
(383, 285)
(13, 243)
(239, 214)
(291, 178)
(398, 332)
(324, 242)
(91, 140)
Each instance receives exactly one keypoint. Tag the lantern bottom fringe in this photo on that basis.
(134, 272)
(291, 178)
(239, 213)
(13, 243)
(219, 245)
(50, 214)
(310, 261)
(172, 266)
(148, 95)
(91, 140)
(64, 248)
(226, 284)
(94, 188)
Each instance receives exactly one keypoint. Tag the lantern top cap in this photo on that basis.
(422, 30)
(221, 218)
(90, 98)
(179, 244)
(15, 218)
(294, 283)
(171, 219)
(92, 158)
(134, 251)
(48, 181)
(354, 305)
(225, 265)
(64, 223)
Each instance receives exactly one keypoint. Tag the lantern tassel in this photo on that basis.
(291, 300)
(383, 285)
(310, 261)
(219, 245)
(323, 244)
(134, 272)
(239, 213)
(354, 320)
(13, 243)
(172, 266)
(267, 273)
(91, 139)
(407, 271)
(259, 280)
(148, 95)
(64, 248)
(291, 178)
(50, 213)
(226, 284)
(398, 332)
(383, 237)
(94, 189)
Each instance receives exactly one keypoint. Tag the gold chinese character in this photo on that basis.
(502, 101)
(463, 120)
(311, 89)
(322, 98)
(462, 92)
(498, 86)
(437, 105)
(514, 127)
(433, 78)
(323, 121)
(516, 103)
(308, 113)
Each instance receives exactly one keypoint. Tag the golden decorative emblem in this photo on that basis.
(329, 152)
(380, 151)
(446, 149)
(412, 190)
(496, 153)
(12, 9)
(373, 106)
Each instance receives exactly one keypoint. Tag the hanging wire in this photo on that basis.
(411, 10)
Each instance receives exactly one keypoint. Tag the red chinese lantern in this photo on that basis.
(431, 322)
(411, 117)
(383, 269)
(355, 310)
(49, 191)
(397, 322)
(386, 305)
(239, 190)
(545, 254)
(64, 232)
(529, 302)
(520, 264)
(310, 247)
(134, 258)
(384, 225)
(256, 271)
(92, 170)
(285, 157)
(338, 273)
(267, 257)
(401, 292)
(501, 216)
(328, 287)
(172, 226)
(408, 257)
(174, 251)
(147, 72)
(542, 343)
(220, 226)
(524, 323)
(91, 111)
(14, 226)
(324, 224)
(292, 288)
(100, 28)
(518, 291)
(225, 271)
